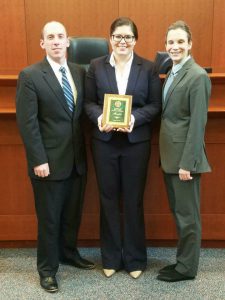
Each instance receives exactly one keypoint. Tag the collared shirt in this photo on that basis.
(122, 78)
(173, 74)
(176, 68)
(55, 67)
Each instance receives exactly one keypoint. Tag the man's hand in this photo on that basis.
(184, 175)
(42, 170)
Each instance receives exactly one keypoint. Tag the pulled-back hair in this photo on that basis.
(124, 21)
(180, 25)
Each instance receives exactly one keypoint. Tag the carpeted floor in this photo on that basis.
(19, 279)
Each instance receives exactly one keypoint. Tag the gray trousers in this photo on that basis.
(184, 201)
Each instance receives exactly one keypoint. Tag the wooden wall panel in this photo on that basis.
(155, 200)
(7, 97)
(90, 18)
(14, 178)
(218, 42)
(17, 214)
(213, 193)
(18, 227)
(153, 18)
(13, 50)
(22, 21)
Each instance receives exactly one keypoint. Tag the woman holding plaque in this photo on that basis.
(121, 154)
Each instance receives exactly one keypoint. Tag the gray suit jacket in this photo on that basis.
(51, 134)
(184, 117)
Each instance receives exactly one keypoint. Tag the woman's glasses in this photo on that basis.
(118, 38)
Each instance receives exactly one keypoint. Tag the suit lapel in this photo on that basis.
(54, 85)
(77, 82)
(177, 79)
(134, 74)
(111, 76)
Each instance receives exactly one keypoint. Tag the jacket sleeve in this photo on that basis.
(198, 99)
(27, 119)
(152, 108)
(92, 108)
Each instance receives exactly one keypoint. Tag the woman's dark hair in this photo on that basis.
(124, 21)
(180, 25)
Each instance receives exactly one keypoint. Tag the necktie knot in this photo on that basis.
(62, 70)
(174, 74)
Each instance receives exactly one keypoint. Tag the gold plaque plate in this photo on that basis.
(117, 110)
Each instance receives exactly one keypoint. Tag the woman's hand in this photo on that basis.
(106, 127)
(184, 175)
(131, 126)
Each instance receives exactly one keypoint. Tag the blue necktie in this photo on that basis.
(168, 84)
(67, 89)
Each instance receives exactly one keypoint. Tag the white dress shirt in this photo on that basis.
(122, 78)
(55, 67)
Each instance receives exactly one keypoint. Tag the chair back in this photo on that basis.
(163, 62)
(83, 49)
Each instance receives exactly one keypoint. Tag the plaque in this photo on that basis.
(117, 110)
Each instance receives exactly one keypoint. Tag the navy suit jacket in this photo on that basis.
(143, 84)
(50, 132)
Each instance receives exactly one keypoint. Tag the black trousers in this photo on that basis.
(58, 207)
(184, 201)
(121, 169)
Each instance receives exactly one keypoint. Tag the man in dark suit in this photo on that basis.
(182, 149)
(49, 102)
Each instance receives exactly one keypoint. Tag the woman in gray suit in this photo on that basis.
(186, 94)
(121, 156)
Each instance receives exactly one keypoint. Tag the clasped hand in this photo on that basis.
(185, 175)
(108, 128)
(42, 170)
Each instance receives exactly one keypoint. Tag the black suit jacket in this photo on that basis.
(143, 84)
(51, 134)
